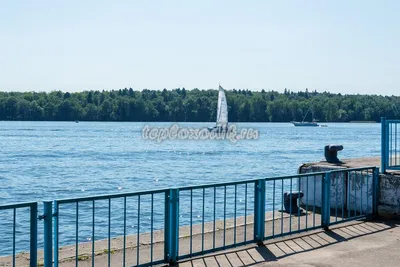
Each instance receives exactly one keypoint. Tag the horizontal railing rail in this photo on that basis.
(102, 197)
(9, 215)
(390, 145)
(368, 168)
(246, 181)
(166, 225)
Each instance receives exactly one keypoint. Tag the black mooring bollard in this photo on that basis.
(292, 198)
(331, 152)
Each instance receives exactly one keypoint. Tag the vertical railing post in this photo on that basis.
(384, 140)
(166, 225)
(171, 226)
(259, 211)
(326, 200)
(375, 191)
(55, 233)
(33, 237)
(48, 230)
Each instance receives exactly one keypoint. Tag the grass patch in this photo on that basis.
(83, 257)
(111, 251)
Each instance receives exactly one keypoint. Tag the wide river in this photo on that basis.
(55, 160)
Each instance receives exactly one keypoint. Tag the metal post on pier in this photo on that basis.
(171, 233)
(48, 233)
(33, 235)
(55, 233)
(326, 200)
(375, 191)
(259, 211)
(384, 140)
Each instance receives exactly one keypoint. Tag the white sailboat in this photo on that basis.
(222, 112)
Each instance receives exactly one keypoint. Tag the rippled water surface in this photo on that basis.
(56, 160)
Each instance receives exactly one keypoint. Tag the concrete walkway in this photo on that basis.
(348, 244)
(354, 244)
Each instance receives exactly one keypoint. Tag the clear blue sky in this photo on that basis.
(349, 46)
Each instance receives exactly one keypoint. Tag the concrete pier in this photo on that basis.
(389, 185)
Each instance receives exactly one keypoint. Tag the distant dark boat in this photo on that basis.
(312, 123)
(305, 123)
(76, 121)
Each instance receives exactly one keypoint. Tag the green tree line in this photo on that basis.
(195, 106)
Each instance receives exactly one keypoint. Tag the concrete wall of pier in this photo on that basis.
(350, 191)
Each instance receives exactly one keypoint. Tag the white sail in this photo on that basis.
(222, 113)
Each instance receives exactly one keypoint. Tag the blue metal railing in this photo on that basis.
(212, 212)
(68, 212)
(9, 214)
(295, 220)
(352, 193)
(166, 225)
(390, 145)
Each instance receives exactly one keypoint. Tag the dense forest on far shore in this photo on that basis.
(194, 106)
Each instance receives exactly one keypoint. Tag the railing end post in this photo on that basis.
(375, 192)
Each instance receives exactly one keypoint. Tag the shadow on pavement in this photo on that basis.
(279, 248)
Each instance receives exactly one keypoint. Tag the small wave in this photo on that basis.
(22, 129)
